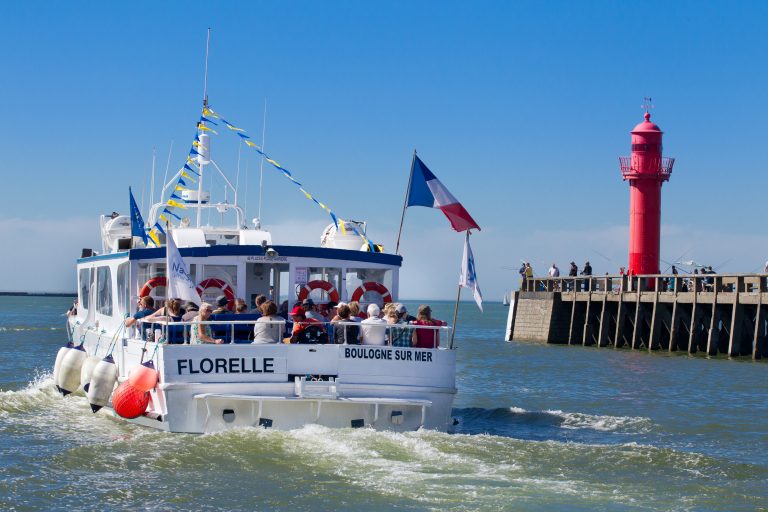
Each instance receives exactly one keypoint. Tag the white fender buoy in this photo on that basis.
(102, 383)
(86, 371)
(57, 365)
(69, 371)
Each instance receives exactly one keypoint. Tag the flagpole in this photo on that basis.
(405, 203)
(458, 298)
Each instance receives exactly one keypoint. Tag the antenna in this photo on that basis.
(152, 181)
(261, 167)
(205, 77)
(647, 103)
(168, 164)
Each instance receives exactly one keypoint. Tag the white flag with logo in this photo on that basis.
(468, 277)
(180, 284)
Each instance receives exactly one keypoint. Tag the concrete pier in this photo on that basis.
(712, 314)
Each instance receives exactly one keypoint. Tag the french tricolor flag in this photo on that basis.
(426, 190)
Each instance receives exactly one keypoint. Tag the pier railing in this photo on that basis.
(664, 283)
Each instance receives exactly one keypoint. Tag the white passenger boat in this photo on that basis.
(207, 387)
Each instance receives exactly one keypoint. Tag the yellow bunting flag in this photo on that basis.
(190, 178)
(154, 238)
(179, 187)
(173, 203)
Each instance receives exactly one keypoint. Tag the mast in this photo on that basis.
(405, 204)
(261, 166)
(201, 162)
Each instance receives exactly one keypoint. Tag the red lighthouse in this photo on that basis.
(645, 170)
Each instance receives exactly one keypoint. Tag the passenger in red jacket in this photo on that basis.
(426, 338)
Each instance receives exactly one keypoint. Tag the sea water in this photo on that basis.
(540, 427)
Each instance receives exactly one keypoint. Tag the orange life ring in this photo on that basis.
(319, 284)
(372, 286)
(152, 284)
(213, 282)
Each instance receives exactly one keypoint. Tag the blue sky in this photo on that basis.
(520, 108)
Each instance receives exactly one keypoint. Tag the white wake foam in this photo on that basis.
(578, 420)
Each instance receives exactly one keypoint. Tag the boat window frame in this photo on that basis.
(104, 305)
(84, 288)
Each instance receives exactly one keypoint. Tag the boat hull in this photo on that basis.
(212, 388)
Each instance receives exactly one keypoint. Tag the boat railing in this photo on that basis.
(392, 335)
(282, 331)
(179, 333)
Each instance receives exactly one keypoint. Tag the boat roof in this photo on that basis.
(284, 251)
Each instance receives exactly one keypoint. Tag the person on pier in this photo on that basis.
(587, 271)
(554, 272)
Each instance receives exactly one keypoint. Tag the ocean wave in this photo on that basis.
(499, 420)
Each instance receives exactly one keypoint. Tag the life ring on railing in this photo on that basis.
(153, 283)
(213, 282)
(319, 284)
(372, 286)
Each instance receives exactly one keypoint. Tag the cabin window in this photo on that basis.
(122, 288)
(216, 276)
(148, 271)
(367, 283)
(84, 278)
(104, 290)
(327, 274)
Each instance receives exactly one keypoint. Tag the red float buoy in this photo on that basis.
(129, 402)
(143, 377)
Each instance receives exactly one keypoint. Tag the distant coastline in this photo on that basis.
(38, 294)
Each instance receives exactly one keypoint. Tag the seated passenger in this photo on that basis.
(265, 332)
(354, 311)
(336, 317)
(191, 311)
(305, 329)
(345, 334)
(398, 336)
(283, 312)
(171, 312)
(201, 333)
(426, 338)
(389, 306)
(257, 302)
(331, 310)
(374, 329)
(241, 308)
(221, 302)
(312, 311)
(146, 308)
(402, 312)
(241, 304)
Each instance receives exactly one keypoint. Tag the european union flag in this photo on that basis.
(137, 223)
